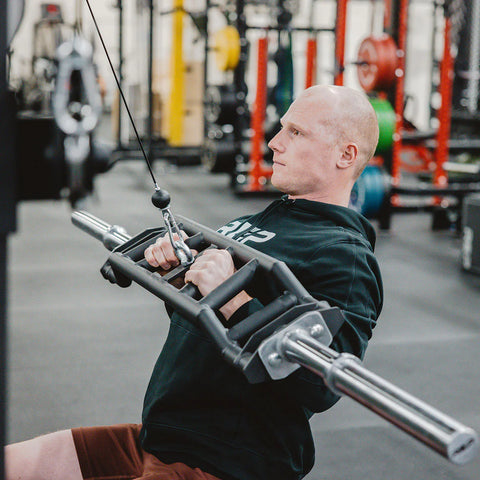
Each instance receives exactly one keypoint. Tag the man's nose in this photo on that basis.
(275, 143)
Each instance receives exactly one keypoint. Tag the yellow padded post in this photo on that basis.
(177, 77)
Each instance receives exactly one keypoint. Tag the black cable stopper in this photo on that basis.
(161, 199)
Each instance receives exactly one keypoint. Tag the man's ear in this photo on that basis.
(349, 155)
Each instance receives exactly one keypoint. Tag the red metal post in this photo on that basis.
(340, 33)
(311, 63)
(445, 110)
(259, 173)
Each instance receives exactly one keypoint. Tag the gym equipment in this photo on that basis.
(218, 155)
(7, 205)
(340, 34)
(283, 90)
(444, 113)
(386, 123)
(411, 150)
(258, 172)
(369, 191)
(377, 63)
(161, 198)
(398, 16)
(15, 11)
(227, 48)
(471, 234)
(76, 106)
(39, 157)
(165, 144)
(466, 89)
(374, 189)
(176, 102)
(49, 32)
(292, 330)
(220, 104)
(311, 50)
(311, 63)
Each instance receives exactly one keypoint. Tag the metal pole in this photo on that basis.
(7, 213)
(111, 235)
(433, 65)
(340, 35)
(120, 71)
(206, 66)
(150, 82)
(474, 60)
(345, 374)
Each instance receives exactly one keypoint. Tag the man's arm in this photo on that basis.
(346, 275)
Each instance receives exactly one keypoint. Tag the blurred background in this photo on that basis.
(206, 83)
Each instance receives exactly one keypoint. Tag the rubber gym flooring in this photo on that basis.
(81, 350)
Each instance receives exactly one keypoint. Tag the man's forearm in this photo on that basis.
(234, 304)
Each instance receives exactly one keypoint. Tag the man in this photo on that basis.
(201, 418)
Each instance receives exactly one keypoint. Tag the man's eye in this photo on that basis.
(295, 132)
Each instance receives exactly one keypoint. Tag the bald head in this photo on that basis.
(351, 119)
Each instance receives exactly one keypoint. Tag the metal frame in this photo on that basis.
(7, 213)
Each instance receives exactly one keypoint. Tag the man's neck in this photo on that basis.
(338, 199)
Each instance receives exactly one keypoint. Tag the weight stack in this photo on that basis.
(471, 234)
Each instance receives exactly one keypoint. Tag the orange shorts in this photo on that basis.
(114, 453)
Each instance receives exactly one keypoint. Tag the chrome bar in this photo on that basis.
(345, 374)
(110, 235)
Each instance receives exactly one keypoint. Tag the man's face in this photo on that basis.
(304, 150)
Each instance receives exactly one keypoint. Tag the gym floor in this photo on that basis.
(81, 350)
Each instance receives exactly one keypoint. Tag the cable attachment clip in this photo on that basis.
(161, 200)
(182, 251)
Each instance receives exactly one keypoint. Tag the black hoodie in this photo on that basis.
(201, 411)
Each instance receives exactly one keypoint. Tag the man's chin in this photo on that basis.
(277, 183)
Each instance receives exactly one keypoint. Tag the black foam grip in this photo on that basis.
(191, 290)
(144, 264)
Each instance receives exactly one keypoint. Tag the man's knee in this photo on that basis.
(49, 457)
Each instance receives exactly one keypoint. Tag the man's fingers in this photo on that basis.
(191, 276)
(202, 263)
(165, 256)
(162, 254)
(149, 257)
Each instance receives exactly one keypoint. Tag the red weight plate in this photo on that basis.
(377, 62)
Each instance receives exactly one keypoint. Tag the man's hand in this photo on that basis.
(161, 253)
(211, 269)
(208, 271)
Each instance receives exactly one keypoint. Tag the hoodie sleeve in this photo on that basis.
(346, 275)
